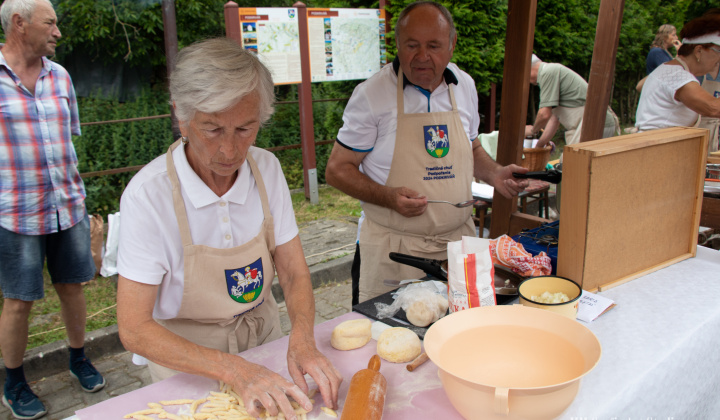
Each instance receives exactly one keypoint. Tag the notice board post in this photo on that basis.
(307, 129)
(232, 22)
(171, 49)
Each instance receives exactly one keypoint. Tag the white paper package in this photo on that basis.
(471, 274)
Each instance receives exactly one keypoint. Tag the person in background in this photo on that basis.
(665, 38)
(42, 198)
(672, 95)
(711, 83)
(562, 101)
(204, 227)
(409, 135)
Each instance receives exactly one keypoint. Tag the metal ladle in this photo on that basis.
(458, 205)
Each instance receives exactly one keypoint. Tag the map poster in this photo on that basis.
(273, 34)
(345, 44)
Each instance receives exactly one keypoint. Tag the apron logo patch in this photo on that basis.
(245, 284)
(436, 140)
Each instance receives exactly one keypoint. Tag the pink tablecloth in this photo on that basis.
(410, 395)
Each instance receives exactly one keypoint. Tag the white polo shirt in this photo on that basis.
(370, 117)
(150, 249)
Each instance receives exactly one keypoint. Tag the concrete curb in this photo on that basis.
(53, 358)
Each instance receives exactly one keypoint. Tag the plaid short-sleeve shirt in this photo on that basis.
(41, 191)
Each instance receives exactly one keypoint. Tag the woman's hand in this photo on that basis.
(304, 358)
(260, 387)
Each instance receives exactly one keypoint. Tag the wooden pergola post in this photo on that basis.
(602, 69)
(513, 102)
(516, 83)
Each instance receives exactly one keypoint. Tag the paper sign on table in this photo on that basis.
(592, 306)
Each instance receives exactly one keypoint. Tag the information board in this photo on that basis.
(273, 33)
(346, 44)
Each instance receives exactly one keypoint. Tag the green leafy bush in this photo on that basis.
(119, 145)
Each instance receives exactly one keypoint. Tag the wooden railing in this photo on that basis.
(138, 167)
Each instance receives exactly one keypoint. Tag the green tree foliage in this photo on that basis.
(109, 30)
(131, 29)
(565, 32)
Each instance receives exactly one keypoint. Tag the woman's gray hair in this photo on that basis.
(215, 74)
(24, 8)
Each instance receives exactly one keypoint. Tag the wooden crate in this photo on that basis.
(630, 205)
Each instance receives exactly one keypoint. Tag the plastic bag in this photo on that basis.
(424, 303)
(109, 261)
(97, 242)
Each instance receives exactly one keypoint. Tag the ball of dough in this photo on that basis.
(351, 334)
(398, 345)
(420, 314)
(442, 305)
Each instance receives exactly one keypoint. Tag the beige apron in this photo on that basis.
(227, 301)
(433, 156)
(710, 123)
(572, 118)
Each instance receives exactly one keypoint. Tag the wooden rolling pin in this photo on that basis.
(366, 396)
(417, 362)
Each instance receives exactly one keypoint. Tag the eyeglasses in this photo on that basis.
(715, 49)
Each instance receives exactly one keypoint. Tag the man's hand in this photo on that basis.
(407, 202)
(529, 131)
(506, 184)
(304, 358)
(259, 386)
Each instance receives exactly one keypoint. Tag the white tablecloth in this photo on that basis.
(660, 359)
(661, 347)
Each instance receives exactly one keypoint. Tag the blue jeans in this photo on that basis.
(22, 257)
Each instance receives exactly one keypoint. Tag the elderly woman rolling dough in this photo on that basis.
(672, 95)
(204, 228)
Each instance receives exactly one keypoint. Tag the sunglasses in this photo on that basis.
(715, 49)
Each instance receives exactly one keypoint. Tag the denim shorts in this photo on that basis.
(22, 257)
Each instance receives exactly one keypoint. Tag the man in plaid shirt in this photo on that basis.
(42, 198)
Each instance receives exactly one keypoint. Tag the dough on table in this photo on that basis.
(424, 312)
(420, 314)
(398, 345)
(443, 305)
(351, 334)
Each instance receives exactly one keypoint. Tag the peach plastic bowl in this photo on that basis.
(536, 286)
(511, 362)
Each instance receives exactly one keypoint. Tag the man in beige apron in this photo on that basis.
(384, 230)
(432, 156)
(712, 87)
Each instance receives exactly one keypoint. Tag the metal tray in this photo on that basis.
(368, 309)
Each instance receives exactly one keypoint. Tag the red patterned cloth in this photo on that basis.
(508, 253)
